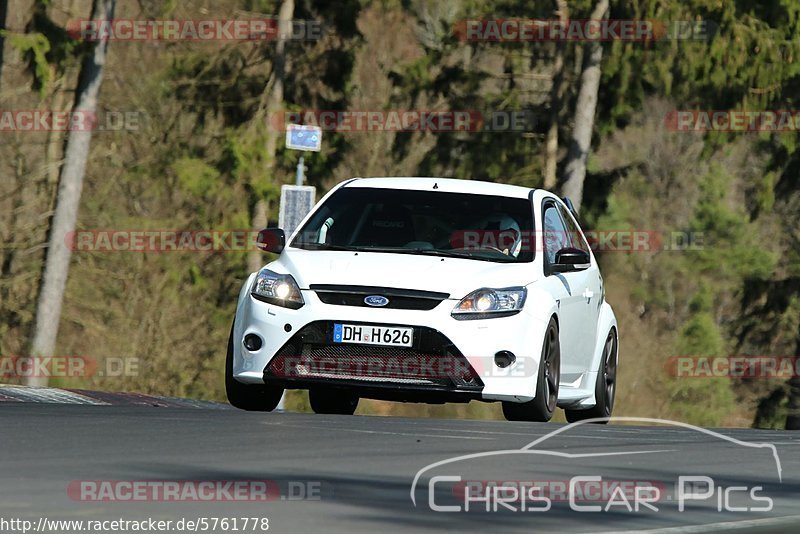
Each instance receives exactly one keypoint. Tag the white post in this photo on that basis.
(300, 176)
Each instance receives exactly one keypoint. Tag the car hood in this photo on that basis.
(455, 276)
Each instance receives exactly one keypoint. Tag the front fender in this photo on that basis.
(540, 306)
(239, 326)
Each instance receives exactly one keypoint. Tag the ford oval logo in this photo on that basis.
(376, 300)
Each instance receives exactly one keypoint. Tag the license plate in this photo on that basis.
(392, 336)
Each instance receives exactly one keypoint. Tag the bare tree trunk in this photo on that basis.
(556, 93)
(273, 105)
(575, 168)
(54, 279)
(3, 13)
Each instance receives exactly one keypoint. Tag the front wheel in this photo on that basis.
(605, 388)
(543, 405)
(330, 401)
(251, 397)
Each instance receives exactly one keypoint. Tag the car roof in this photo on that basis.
(449, 185)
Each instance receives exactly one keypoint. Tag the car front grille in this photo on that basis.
(432, 361)
(399, 299)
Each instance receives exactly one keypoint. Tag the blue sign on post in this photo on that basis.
(302, 137)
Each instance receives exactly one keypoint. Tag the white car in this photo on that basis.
(428, 290)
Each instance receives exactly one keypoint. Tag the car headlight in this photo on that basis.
(278, 289)
(487, 303)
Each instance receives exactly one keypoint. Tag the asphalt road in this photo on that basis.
(357, 472)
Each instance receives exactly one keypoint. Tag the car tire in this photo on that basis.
(251, 397)
(329, 401)
(605, 388)
(543, 405)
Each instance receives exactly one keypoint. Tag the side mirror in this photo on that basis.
(571, 259)
(271, 240)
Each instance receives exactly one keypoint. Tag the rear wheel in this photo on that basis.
(543, 405)
(330, 401)
(605, 388)
(251, 397)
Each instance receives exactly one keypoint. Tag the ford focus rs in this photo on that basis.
(428, 290)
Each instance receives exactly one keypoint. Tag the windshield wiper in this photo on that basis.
(439, 252)
(421, 251)
(463, 254)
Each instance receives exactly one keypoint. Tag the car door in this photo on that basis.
(590, 283)
(567, 288)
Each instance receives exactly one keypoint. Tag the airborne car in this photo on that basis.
(428, 290)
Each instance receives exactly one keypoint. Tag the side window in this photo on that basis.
(555, 235)
(575, 237)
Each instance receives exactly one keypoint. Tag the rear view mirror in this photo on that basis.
(571, 259)
(271, 240)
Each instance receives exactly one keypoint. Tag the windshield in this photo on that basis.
(481, 227)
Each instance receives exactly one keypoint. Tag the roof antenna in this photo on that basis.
(435, 185)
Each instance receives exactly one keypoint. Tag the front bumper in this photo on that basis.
(457, 357)
(431, 365)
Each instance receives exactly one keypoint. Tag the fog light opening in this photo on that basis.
(504, 358)
(252, 342)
